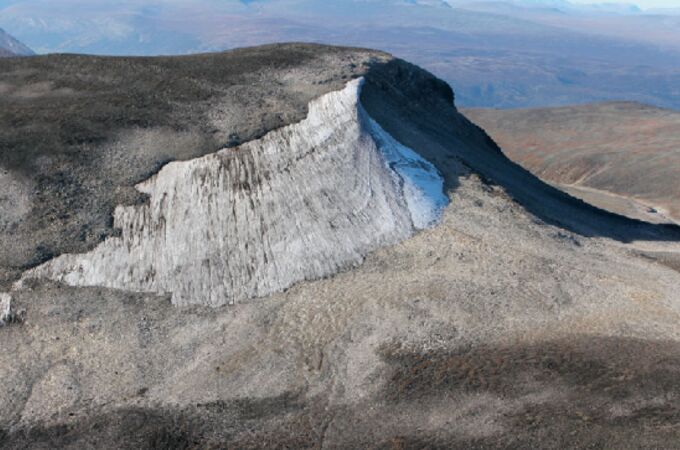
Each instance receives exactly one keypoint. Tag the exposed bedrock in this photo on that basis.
(303, 202)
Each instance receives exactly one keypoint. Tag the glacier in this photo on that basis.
(303, 202)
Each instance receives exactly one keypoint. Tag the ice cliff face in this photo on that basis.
(303, 202)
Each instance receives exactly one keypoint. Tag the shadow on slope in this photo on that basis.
(418, 110)
(579, 392)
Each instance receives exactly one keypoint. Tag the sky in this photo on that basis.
(640, 3)
(645, 4)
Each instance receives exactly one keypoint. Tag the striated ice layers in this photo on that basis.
(301, 203)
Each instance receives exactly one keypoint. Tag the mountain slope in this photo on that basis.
(519, 313)
(623, 157)
(11, 47)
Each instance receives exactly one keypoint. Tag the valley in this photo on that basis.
(623, 157)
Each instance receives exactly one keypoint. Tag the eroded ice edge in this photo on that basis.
(303, 202)
(422, 184)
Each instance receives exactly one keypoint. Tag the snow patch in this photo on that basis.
(5, 309)
(422, 184)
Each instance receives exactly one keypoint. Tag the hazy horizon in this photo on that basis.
(493, 53)
(642, 4)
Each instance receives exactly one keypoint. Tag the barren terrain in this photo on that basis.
(523, 319)
(623, 157)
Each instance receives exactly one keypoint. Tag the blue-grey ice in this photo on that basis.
(421, 182)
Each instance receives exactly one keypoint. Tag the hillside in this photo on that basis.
(623, 157)
(11, 47)
(301, 246)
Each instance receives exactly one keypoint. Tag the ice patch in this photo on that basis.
(303, 202)
(422, 184)
(5, 308)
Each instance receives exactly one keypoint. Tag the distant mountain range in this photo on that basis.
(554, 5)
(9, 46)
(516, 53)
